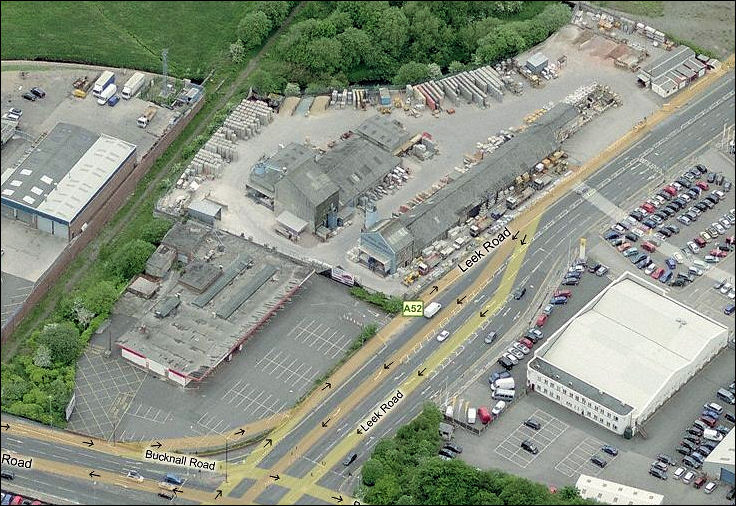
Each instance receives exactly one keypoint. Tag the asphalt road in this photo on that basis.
(562, 224)
(570, 218)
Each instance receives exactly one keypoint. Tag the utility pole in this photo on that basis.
(51, 416)
(226, 452)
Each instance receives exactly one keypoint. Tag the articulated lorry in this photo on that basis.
(108, 92)
(147, 116)
(106, 79)
(133, 85)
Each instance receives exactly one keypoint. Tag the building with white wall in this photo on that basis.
(610, 492)
(720, 463)
(624, 354)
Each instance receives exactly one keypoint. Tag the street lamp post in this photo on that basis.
(51, 416)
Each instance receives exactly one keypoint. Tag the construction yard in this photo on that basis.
(457, 133)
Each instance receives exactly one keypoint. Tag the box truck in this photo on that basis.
(133, 85)
(106, 94)
(106, 79)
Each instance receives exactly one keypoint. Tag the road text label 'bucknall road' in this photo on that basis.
(382, 410)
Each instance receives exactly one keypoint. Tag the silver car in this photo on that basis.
(517, 353)
(511, 358)
(521, 348)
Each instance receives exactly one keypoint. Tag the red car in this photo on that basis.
(718, 253)
(656, 274)
(710, 422)
(648, 207)
(563, 293)
(671, 190)
(484, 415)
(526, 342)
(730, 239)
(541, 320)
(648, 246)
(702, 185)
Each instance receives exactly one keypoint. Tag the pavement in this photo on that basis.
(322, 430)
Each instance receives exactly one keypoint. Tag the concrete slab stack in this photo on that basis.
(205, 163)
(222, 143)
(248, 118)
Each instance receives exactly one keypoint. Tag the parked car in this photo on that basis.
(665, 459)
(611, 450)
(498, 408)
(658, 473)
(677, 474)
(598, 461)
(29, 96)
(453, 447)
(532, 423)
(530, 447)
(699, 481)
(710, 487)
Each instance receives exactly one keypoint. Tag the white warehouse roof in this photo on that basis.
(724, 454)
(631, 342)
(610, 492)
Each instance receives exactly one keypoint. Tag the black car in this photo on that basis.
(657, 473)
(684, 450)
(611, 450)
(453, 447)
(506, 363)
(666, 459)
(166, 495)
(689, 445)
(447, 453)
(530, 447)
(594, 267)
(673, 228)
(665, 232)
(678, 282)
(730, 494)
(711, 178)
(533, 424)
(710, 444)
(598, 461)
(7, 475)
(722, 429)
(29, 96)
(632, 236)
(691, 438)
(350, 459)
(704, 450)
(570, 281)
(701, 168)
(691, 462)
(519, 293)
(38, 92)
(702, 206)
(730, 417)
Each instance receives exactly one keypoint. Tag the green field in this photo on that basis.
(122, 34)
(653, 9)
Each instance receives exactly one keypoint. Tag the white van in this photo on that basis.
(713, 435)
(471, 415)
(505, 383)
(449, 411)
(432, 309)
(502, 394)
(700, 264)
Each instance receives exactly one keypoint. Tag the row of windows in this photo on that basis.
(590, 415)
(580, 399)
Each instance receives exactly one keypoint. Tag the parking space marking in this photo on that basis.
(149, 413)
(325, 339)
(253, 401)
(578, 460)
(510, 448)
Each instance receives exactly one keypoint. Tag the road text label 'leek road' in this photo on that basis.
(485, 248)
(382, 410)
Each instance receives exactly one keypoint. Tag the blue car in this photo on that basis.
(611, 450)
(666, 276)
(558, 300)
(498, 375)
(711, 413)
(671, 263)
(611, 235)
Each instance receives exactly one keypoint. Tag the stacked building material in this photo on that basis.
(222, 143)
(248, 118)
(206, 163)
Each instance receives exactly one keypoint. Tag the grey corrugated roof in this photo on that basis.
(312, 182)
(268, 173)
(668, 61)
(205, 207)
(355, 165)
(395, 234)
(384, 132)
(445, 208)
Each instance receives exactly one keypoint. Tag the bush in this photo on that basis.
(253, 29)
(100, 298)
(291, 89)
(155, 230)
(130, 260)
(391, 305)
(411, 73)
(62, 340)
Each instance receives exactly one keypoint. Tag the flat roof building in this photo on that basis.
(624, 354)
(720, 462)
(609, 492)
(62, 184)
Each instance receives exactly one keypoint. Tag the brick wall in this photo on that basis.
(99, 215)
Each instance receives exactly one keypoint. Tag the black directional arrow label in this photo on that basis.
(435, 288)
(523, 241)
(421, 373)
(461, 299)
(483, 313)
(338, 499)
(89, 443)
(359, 432)
(386, 366)
(324, 424)
(513, 237)
(240, 432)
(156, 445)
(5, 426)
(275, 477)
(219, 494)
(93, 474)
(327, 385)
(269, 442)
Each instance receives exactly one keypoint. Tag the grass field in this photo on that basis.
(637, 8)
(122, 34)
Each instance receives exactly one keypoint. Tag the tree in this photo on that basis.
(237, 52)
(62, 340)
(455, 67)
(100, 298)
(434, 70)
(264, 82)
(554, 17)
(499, 44)
(385, 491)
(291, 89)
(356, 44)
(325, 56)
(411, 73)
(155, 230)
(253, 29)
(130, 259)
(372, 471)
(275, 11)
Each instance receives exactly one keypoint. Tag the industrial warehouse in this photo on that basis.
(624, 354)
(307, 191)
(187, 322)
(62, 184)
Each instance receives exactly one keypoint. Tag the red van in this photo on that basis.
(541, 320)
(484, 415)
(526, 342)
(648, 246)
(700, 241)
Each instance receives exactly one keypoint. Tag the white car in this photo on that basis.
(443, 335)
(720, 228)
(725, 288)
(638, 232)
(517, 353)
(732, 294)
(135, 476)
(710, 487)
(511, 358)
(649, 270)
(10, 116)
(693, 247)
(471, 415)
(678, 473)
(678, 257)
(498, 408)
